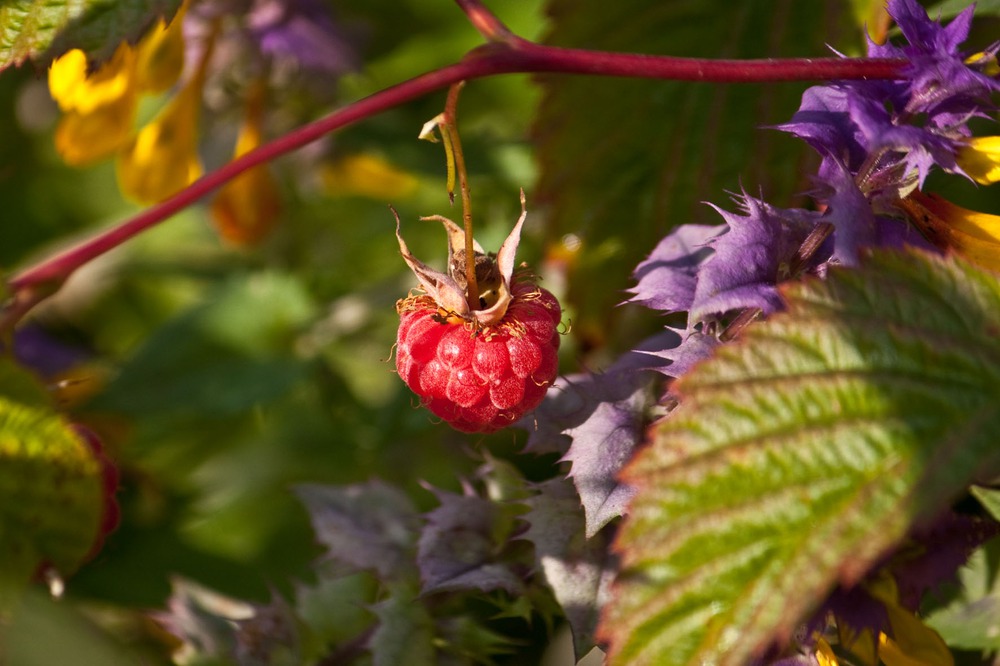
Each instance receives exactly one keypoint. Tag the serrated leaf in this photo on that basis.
(366, 527)
(405, 632)
(458, 549)
(803, 452)
(602, 445)
(577, 569)
(51, 500)
(646, 154)
(42, 30)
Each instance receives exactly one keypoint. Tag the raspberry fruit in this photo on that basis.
(478, 368)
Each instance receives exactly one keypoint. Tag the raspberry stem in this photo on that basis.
(451, 123)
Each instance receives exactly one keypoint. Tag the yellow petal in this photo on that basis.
(160, 55)
(986, 62)
(368, 176)
(74, 90)
(913, 643)
(825, 655)
(84, 138)
(861, 644)
(247, 207)
(980, 159)
(163, 158)
(944, 213)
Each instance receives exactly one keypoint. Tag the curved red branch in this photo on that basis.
(504, 54)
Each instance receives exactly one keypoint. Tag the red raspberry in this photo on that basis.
(478, 368)
(480, 379)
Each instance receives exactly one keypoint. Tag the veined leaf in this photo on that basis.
(44, 29)
(50, 485)
(802, 453)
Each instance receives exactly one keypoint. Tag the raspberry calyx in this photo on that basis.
(479, 366)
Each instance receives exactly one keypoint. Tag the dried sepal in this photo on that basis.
(493, 274)
(439, 286)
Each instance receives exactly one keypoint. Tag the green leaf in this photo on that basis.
(644, 155)
(42, 30)
(50, 485)
(972, 621)
(221, 358)
(405, 633)
(802, 453)
(989, 498)
(42, 630)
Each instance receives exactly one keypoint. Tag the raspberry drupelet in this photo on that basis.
(478, 368)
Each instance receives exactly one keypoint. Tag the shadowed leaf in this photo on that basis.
(457, 548)
(366, 526)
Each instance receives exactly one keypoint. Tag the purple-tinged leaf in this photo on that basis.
(574, 398)
(601, 446)
(750, 259)
(270, 636)
(579, 570)
(694, 346)
(405, 632)
(667, 277)
(365, 527)
(458, 547)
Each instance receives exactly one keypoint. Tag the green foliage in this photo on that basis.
(803, 452)
(41, 30)
(50, 485)
(645, 155)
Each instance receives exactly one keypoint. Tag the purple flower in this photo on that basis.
(301, 31)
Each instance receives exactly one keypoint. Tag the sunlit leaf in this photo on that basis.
(972, 621)
(804, 451)
(51, 502)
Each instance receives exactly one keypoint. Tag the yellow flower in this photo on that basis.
(974, 235)
(912, 642)
(160, 55)
(367, 175)
(980, 158)
(98, 109)
(247, 207)
(162, 158)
